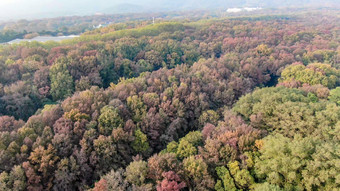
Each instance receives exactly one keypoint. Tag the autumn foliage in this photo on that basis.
(231, 104)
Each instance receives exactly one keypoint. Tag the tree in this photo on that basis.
(138, 108)
(197, 172)
(61, 81)
(140, 144)
(15, 180)
(267, 187)
(19, 105)
(105, 156)
(114, 180)
(136, 172)
(156, 102)
(334, 95)
(42, 161)
(298, 163)
(287, 111)
(83, 84)
(108, 120)
(8, 123)
(185, 149)
(226, 182)
(209, 116)
(171, 182)
(160, 163)
(66, 174)
(4, 178)
(312, 74)
(42, 81)
(187, 145)
(76, 115)
(242, 177)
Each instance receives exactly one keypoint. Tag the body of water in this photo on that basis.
(43, 39)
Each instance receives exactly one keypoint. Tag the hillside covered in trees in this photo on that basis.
(242, 103)
(74, 25)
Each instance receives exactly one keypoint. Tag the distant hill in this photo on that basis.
(207, 4)
(38, 9)
(180, 5)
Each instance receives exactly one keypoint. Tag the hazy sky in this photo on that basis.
(28, 9)
(34, 8)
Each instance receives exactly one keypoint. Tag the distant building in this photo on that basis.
(236, 10)
(252, 8)
(100, 26)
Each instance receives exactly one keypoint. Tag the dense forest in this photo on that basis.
(72, 25)
(62, 25)
(242, 103)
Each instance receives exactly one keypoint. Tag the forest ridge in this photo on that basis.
(242, 103)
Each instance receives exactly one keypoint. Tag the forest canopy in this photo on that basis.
(250, 103)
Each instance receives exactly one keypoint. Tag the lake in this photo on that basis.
(44, 39)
